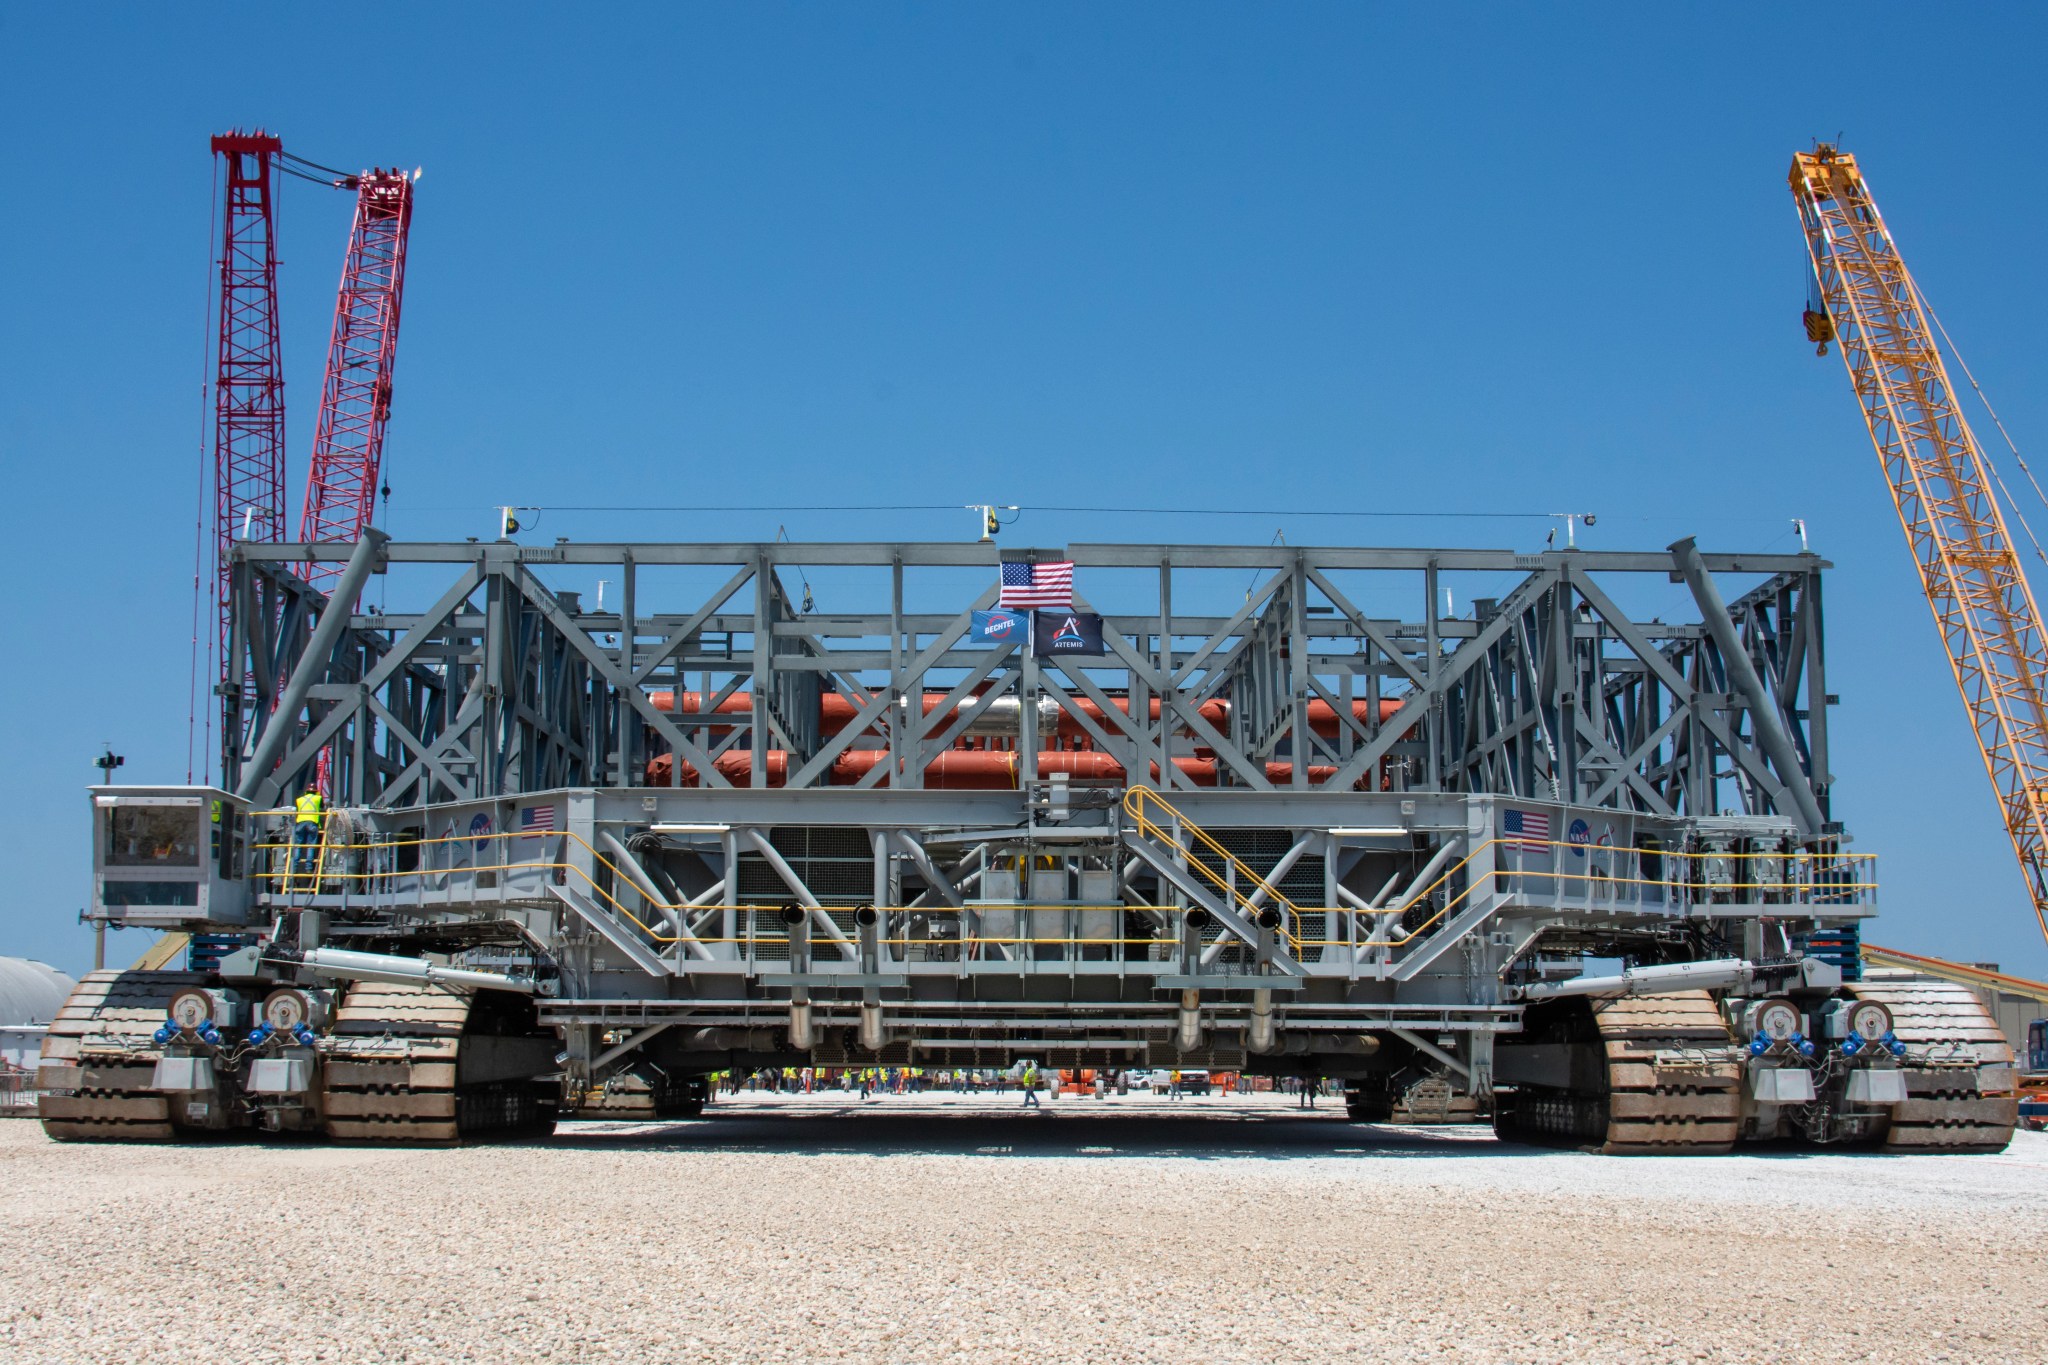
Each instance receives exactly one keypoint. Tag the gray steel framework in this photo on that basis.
(1299, 807)
(1548, 691)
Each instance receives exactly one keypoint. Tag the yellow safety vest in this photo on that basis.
(308, 807)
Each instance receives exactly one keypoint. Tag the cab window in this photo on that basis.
(153, 836)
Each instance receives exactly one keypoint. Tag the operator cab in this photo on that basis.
(168, 857)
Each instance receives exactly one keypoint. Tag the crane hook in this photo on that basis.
(1820, 328)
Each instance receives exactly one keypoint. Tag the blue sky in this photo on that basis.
(1484, 258)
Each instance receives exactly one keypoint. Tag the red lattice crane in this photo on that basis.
(248, 431)
(355, 403)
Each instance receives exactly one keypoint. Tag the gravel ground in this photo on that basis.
(955, 1229)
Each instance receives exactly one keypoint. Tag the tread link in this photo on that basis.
(1946, 1025)
(99, 1059)
(1674, 1087)
(389, 1064)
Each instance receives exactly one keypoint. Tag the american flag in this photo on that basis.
(1526, 829)
(537, 819)
(1037, 585)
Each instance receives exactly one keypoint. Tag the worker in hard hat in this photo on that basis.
(308, 813)
(1031, 1085)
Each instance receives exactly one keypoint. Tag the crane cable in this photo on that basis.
(1984, 398)
(302, 168)
(199, 521)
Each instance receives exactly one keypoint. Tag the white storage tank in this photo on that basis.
(31, 993)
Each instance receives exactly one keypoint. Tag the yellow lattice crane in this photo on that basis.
(1866, 301)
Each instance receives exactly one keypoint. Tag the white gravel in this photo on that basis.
(955, 1229)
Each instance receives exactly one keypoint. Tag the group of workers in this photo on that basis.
(872, 1080)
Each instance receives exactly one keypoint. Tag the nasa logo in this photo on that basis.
(1578, 836)
(480, 830)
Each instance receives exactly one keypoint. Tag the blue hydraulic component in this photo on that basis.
(1759, 1045)
(1840, 947)
(304, 1036)
(1851, 1045)
(164, 1034)
(258, 1035)
(209, 1035)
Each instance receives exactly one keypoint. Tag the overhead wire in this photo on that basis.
(1048, 507)
(199, 511)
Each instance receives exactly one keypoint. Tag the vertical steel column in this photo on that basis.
(729, 913)
(1564, 683)
(1817, 699)
(1298, 670)
(628, 723)
(1168, 773)
(884, 877)
(1027, 711)
(1433, 717)
(500, 705)
(906, 768)
(764, 663)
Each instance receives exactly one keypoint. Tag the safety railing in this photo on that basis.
(1140, 802)
(1614, 878)
(449, 870)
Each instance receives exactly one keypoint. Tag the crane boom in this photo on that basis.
(248, 433)
(1942, 486)
(355, 402)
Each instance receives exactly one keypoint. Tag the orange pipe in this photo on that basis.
(836, 712)
(969, 769)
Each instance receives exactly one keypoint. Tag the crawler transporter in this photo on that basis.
(1468, 822)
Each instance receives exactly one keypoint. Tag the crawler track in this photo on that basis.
(1674, 1084)
(389, 1065)
(1951, 1034)
(420, 1065)
(1656, 1075)
(99, 1058)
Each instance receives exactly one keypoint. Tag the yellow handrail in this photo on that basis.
(1137, 798)
(1135, 801)
(1296, 940)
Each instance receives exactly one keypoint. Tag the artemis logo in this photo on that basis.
(1070, 630)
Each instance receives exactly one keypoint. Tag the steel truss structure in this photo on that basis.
(1549, 691)
(724, 808)
(248, 437)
